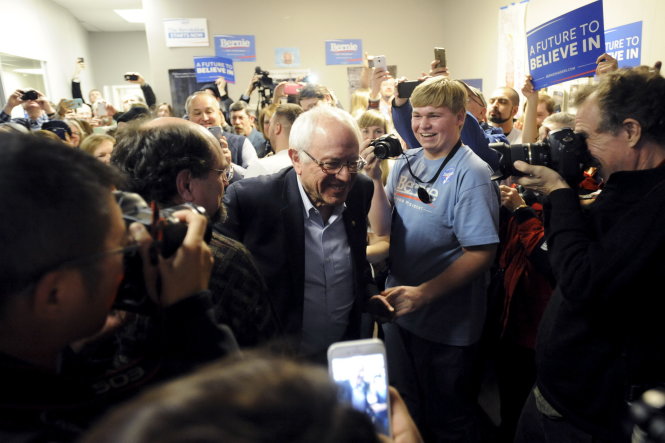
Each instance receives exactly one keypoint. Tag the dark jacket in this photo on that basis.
(265, 213)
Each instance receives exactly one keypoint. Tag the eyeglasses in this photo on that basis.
(476, 100)
(333, 167)
(226, 174)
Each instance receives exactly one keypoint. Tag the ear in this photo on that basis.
(183, 183)
(47, 298)
(278, 128)
(295, 159)
(633, 131)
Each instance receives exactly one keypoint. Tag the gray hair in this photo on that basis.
(198, 94)
(308, 123)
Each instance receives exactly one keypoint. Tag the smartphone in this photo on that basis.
(100, 108)
(217, 131)
(30, 95)
(440, 55)
(292, 88)
(76, 103)
(359, 368)
(405, 89)
(377, 61)
(131, 77)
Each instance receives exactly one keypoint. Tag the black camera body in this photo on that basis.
(167, 233)
(265, 80)
(386, 146)
(563, 150)
(30, 95)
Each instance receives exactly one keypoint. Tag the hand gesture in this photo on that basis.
(371, 169)
(528, 90)
(606, 63)
(539, 178)
(435, 70)
(221, 86)
(406, 299)
(140, 80)
(379, 75)
(510, 198)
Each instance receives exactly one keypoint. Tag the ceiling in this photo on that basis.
(98, 15)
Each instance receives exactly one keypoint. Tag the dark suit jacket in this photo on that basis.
(265, 213)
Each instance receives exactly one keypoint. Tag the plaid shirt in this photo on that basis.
(239, 293)
(34, 125)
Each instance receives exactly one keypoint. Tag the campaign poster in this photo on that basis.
(183, 32)
(344, 52)
(624, 43)
(209, 69)
(287, 57)
(239, 48)
(566, 47)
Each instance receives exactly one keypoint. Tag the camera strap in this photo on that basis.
(423, 195)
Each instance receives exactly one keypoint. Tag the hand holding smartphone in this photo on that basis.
(377, 61)
(359, 368)
(440, 55)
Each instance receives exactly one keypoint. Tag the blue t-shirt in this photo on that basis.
(427, 238)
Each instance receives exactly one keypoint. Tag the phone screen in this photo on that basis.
(364, 384)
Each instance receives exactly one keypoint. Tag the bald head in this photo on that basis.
(203, 109)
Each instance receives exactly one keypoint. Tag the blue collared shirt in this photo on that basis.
(34, 124)
(328, 278)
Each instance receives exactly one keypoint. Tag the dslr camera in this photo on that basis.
(563, 150)
(167, 234)
(386, 146)
(30, 95)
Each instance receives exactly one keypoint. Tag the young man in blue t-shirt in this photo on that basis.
(441, 210)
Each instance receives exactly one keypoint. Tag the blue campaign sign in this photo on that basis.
(209, 69)
(566, 47)
(344, 52)
(624, 43)
(241, 48)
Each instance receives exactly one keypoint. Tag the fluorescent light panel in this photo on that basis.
(131, 15)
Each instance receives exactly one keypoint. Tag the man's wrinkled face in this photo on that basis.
(242, 123)
(208, 190)
(611, 151)
(331, 141)
(500, 107)
(203, 110)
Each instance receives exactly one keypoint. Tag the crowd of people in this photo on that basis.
(181, 277)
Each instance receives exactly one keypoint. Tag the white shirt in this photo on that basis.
(269, 165)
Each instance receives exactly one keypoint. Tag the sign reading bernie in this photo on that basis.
(566, 47)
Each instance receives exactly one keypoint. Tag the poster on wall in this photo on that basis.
(566, 47)
(239, 48)
(475, 82)
(209, 69)
(183, 83)
(287, 57)
(344, 52)
(183, 32)
(624, 43)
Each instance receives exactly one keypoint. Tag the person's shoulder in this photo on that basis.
(221, 246)
(267, 182)
(472, 164)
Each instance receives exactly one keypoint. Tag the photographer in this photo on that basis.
(600, 342)
(61, 265)
(37, 107)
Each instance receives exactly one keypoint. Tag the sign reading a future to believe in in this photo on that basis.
(566, 47)
(209, 69)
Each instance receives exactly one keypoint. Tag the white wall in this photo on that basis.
(114, 53)
(42, 30)
(405, 32)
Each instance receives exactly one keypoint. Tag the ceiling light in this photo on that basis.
(131, 15)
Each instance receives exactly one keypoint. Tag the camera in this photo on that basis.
(265, 80)
(132, 77)
(167, 233)
(563, 150)
(386, 146)
(30, 95)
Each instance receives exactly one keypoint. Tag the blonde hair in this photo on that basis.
(440, 92)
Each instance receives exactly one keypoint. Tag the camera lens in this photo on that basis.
(386, 146)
